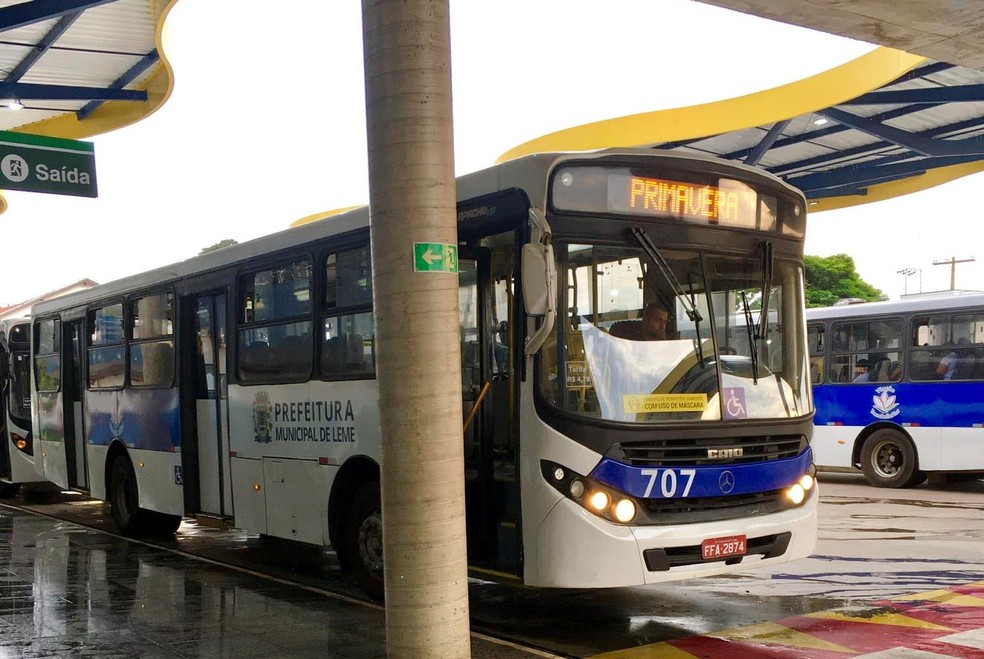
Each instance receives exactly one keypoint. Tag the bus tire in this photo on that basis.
(124, 499)
(9, 490)
(364, 540)
(888, 459)
(161, 525)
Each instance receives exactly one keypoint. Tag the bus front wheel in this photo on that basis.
(888, 459)
(364, 540)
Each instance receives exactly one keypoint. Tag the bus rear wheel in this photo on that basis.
(888, 459)
(124, 500)
(364, 540)
(9, 490)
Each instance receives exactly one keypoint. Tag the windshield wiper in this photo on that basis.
(752, 345)
(689, 302)
(767, 272)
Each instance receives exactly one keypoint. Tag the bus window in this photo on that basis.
(106, 367)
(815, 338)
(276, 344)
(348, 346)
(866, 352)
(47, 361)
(152, 361)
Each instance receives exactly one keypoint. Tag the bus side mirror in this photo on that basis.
(539, 278)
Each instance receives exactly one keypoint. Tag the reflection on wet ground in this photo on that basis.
(68, 591)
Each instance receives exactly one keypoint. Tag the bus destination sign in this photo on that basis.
(690, 201)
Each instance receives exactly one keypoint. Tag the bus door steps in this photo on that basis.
(214, 521)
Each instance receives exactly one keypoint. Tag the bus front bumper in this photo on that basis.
(576, 549)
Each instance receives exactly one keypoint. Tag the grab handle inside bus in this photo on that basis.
(539, 280)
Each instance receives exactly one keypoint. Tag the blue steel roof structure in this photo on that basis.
(928, 118)
(76, 68)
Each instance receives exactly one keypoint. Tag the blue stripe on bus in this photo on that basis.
(725, 480)
(958, 404)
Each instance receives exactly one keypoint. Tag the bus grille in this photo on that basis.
(710, 509)
(690, 452)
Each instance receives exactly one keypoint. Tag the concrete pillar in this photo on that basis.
(412, 199)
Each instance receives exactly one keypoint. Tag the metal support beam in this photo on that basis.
(22, 91)
(912, 141)
(43, 46)
(129, 76)
(766, 143)
(934, 95)
(36, 11)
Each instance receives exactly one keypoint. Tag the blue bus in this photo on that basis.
(899, 388)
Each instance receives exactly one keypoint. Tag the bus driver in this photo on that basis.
(651, 327)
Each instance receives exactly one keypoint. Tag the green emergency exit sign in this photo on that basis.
(35, 163)
(435, 257)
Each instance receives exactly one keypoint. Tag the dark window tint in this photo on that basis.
(348, 346)
(275, 352)
(348, 279)
(866, 351)
(276, 293)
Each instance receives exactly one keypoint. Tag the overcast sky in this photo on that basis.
(267, 125)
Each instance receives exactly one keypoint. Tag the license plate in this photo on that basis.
(712, 548)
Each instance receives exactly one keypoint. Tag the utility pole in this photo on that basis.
(905, 272)
(407, 51)
(952, 262)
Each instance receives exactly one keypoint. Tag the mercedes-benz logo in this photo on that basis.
(726, 482)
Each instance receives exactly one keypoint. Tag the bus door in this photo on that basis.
(73, 386)
(205, 400)
(482, 395)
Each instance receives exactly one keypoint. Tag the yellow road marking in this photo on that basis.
(774, 634)
(896, 619)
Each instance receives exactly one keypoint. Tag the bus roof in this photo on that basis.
(528, 174)
(922, 304)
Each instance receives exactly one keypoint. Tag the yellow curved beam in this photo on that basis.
(117, 114)
(847, 81)
(323, 215)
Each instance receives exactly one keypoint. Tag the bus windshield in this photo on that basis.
(20, 388)
(691, 335)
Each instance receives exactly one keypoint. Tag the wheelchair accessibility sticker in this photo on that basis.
(734, 403)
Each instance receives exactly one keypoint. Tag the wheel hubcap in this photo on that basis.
(371, 543)
(888, 460)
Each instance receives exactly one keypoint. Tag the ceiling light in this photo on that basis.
(11, 104)
(819, 122)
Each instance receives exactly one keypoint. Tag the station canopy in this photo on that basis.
(77, 68)
(883, 125)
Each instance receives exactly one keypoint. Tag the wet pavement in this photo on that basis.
(71, 591)
(896, 573)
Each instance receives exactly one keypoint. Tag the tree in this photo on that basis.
(830, 278)
(219, 245)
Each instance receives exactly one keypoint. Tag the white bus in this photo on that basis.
(17, 453)
(239, 385)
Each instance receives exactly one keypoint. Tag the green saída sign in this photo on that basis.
(33, 163)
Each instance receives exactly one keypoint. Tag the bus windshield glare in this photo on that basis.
(714, 359)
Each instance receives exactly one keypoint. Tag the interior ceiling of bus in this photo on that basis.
(77, 68)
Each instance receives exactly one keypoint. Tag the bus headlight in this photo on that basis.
(807, 482)
(625, 511)
(796, 493)
(599, 500)
(594, 496)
